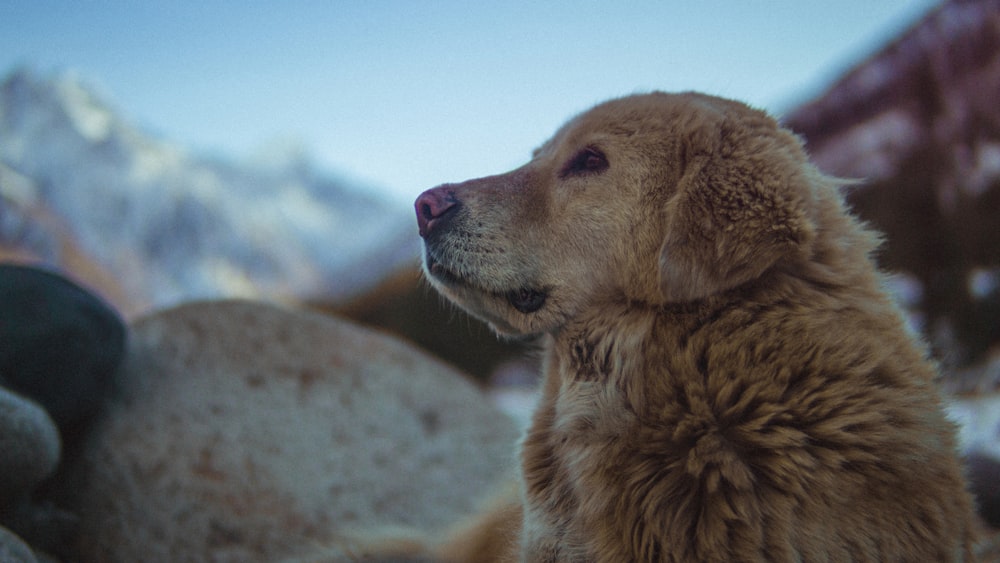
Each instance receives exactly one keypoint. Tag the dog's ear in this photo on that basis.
(740, 207)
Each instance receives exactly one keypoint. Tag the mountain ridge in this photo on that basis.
(175, 225)
(918, 120)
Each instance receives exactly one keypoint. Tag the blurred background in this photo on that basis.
(164, 152)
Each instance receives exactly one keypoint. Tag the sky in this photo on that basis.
(404, 95)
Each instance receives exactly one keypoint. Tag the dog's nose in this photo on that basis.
(433, 207)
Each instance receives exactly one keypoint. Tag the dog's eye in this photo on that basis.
(587, 161)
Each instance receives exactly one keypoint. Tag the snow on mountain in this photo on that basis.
(174, 225)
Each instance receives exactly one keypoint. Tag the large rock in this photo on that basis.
(247, 432)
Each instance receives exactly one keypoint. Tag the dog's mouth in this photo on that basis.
(438, 270)
(525, 299)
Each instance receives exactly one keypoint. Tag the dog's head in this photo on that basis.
(652, 198)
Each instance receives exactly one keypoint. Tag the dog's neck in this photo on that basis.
(595, 325)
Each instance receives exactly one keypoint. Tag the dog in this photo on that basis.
(725, 377)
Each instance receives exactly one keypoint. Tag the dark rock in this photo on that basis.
(29, 447)
(42, 525)
(919, 121)
(59, 344)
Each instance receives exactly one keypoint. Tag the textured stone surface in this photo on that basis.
(247, 432)
(29, 447)
(61, 344)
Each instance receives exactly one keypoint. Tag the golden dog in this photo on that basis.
(726, 378)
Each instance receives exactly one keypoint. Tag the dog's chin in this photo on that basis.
(510, 312)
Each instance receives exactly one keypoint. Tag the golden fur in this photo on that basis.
(726, 379)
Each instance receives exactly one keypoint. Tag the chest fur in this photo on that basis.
(580, 431)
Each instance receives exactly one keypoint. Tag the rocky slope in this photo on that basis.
(920, 122)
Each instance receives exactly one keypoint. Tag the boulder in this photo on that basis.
(242, 431)
(61, 343)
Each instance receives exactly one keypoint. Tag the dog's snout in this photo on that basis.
(433, 207)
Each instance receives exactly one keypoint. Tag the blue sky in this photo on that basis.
(405, 95)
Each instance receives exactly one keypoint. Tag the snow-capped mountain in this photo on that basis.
(173, 225)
